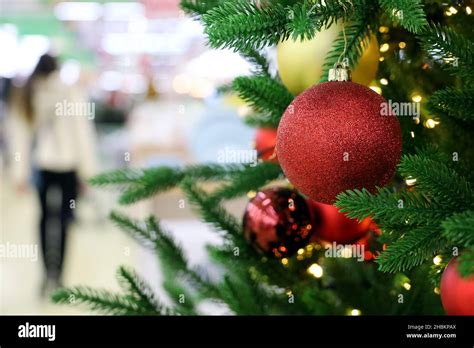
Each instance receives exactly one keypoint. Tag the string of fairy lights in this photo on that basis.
(429, 122)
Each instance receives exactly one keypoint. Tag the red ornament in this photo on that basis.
(457, 293)
(372, 248)
(265, 142)
(333, 226)
(334, 137)
(277, 222)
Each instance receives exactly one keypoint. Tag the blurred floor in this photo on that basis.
(95, 249)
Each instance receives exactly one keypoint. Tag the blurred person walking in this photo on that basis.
(52, 140)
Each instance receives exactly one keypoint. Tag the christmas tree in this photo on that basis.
(412, 224)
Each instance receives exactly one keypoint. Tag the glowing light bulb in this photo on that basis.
(437, 260)
(407, 286)
(315, 270)
(402, 44)
(384, 47)
(355, 312)
(384, 82)
(430, 123)
(182, 84)
(453, 10)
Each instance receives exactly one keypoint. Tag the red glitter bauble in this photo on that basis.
(333, 226)
(457, 293)
(337, 136)
(265, 142)
(277, 222)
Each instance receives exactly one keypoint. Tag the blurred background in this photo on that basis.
(145, 69)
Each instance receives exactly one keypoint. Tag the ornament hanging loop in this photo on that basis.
(340, 72)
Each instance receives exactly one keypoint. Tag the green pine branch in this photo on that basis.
(117, 177)
(308, 17)
(197, 8)
(181, 298)
(243, 294)
(258, 60)
(251, 179)
(439, 192)
(466, 262)
(445, 43)
(409, 13)
(394, 209)
(138, 289)
(459, 229)
(212, 212)
(261, 121)
(141, 184)
(440, 182)
(242, 24)
(411, 250)
(151, 235)
(105, 301)
(457, 103)
(302, 24)
(264, 94)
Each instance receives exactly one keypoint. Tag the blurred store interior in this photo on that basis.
(145, 67)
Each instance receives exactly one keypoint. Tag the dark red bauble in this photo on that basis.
(277, 222)
(457, 293)
(265, 142)
(333, 226)
(335, 136)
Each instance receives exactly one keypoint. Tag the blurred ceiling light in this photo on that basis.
(70, 72)
(138, 26)
(182, 84)
(31, 47)
(78, 11)
(201, 88)
(244, 111)
(9, 44)
(118, 44)
(119, 11)
(135, 84)
(218, 65)
(111, 80)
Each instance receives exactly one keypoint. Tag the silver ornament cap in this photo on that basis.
(340, 72)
